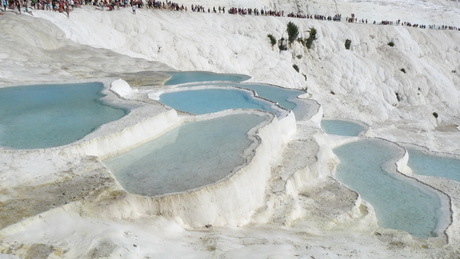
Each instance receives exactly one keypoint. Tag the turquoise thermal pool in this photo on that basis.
(286, 98)
(367, 166)
(434, 165)
(209, 100)
(342, 128)
(43, 116)
(188, 157)
(201, 76)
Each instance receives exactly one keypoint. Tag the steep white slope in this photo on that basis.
(366, 81)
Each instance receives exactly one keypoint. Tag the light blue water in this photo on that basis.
(285, 98)
(342, 128)
(428, 164)
(399, 202)
(201, 76)
(193, 155)
(44, 116)
(204, 101)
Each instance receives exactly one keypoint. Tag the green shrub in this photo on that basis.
(347, 43)
(299, 56)
(272, 39)
(296, 68)
(293, 32)
(403, 70)
(391, 44)
(311, 38)
(435, 114)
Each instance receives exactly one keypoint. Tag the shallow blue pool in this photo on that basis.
(201, 76)
(342, 128)
(399, 202)
(202, 101)
(434, 165)
(193, 155)
(43, 116)
(286, 98)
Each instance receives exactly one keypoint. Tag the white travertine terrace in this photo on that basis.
(63, 203)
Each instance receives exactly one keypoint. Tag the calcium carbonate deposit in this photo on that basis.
(391, 66)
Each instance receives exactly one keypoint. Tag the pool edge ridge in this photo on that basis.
(229, 202)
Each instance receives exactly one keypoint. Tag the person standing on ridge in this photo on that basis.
(67, 8)
(18, 5)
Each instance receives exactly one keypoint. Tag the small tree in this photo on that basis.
(391, 44)
(347, 43)
(272, 39)
(311, 38)
(293, 32)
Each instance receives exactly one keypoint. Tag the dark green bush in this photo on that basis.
(435, 114)
(272, 39)
(347, 43)
(296, 67)
(293, 32)
(311, 38)
(403, 70)
(391, 44)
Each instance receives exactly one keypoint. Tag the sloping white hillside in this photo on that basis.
(364, 82)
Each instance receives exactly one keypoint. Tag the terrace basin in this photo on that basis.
(44, 116)
(201, 76)
(209, 100)
(193, 155)
(342, 128)
(424, 163)
(368, 167)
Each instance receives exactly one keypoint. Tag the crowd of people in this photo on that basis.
(29, 5)
(69, 5)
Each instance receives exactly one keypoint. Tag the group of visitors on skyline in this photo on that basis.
(68, 5)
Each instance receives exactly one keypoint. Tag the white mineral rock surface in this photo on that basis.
(285, 203)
